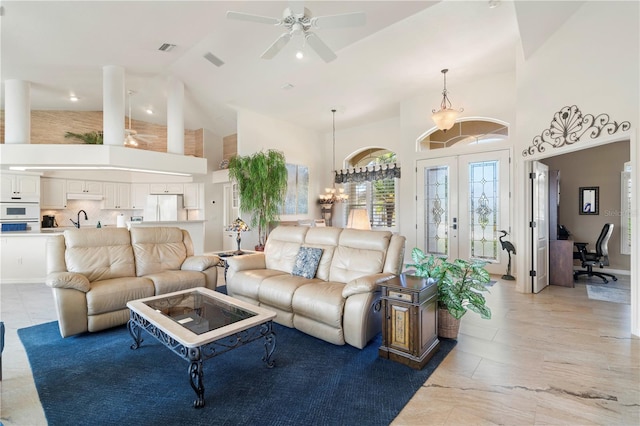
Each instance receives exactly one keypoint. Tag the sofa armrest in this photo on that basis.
(366, 284)
(247, 261)
(199, 263)
(69, 280)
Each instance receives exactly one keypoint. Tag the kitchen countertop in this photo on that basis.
(60, 229)
(165, 223)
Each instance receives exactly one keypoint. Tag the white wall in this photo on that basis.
(591, 62)
(212, 197)
(300, 146)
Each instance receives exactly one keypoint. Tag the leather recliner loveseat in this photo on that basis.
(339, 301)
(95, 272)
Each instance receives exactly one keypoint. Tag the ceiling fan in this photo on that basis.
(298, 20)
(131, 136)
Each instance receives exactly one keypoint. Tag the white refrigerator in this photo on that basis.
(164, 208)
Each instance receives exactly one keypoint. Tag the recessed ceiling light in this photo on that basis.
(493, 4)
(73, 98)
(149, 111)
(287, 86)
(299, 54)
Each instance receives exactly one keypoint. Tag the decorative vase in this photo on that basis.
(448, 325)
(326, 212)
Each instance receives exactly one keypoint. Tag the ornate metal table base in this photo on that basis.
(196, 356)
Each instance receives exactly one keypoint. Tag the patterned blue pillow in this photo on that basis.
(307, 262)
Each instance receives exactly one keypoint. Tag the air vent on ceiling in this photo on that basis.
(213, 59)
(166, 47)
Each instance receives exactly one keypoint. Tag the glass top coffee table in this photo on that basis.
(199, 324)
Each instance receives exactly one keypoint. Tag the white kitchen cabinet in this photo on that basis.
(23, 258)
(53, 194)
(139, 193)
(17, 187)
(166, 188)
(116, 195)
(192, 196)
(84, 186)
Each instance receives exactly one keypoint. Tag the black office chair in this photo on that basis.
(600, 257)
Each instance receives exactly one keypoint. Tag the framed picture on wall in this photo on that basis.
(589, 200)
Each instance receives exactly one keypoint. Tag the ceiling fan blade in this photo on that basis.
(145, 138)
(338, 21)
(241, 16)
(276, 46)
(321, 49)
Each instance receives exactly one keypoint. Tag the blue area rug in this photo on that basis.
(96, 379)
(609, 294)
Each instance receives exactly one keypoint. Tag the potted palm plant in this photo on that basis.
(460, 287)
(262, 185)
(93, 138)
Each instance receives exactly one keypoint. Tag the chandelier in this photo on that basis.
(445, 118)
(331, 195)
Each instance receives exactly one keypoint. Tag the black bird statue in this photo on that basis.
(506, 245)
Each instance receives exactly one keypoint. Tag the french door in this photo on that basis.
(463, 204)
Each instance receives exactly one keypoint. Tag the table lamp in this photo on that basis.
(238, 226)
(358, 219)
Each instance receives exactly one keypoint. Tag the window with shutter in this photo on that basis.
(372, 185)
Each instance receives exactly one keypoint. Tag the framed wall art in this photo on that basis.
(589, 200)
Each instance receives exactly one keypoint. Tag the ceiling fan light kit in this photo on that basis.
(299, 22)
(446, 116)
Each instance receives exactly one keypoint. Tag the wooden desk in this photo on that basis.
(561, 263)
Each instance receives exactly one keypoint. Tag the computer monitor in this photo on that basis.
(563, 232)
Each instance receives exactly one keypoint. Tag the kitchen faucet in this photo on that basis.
(77, 224)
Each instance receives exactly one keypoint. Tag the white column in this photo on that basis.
(17, 111)
(113, 104)
(175, 117)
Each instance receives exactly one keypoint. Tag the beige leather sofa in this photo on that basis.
(341, 303)
(95, 272)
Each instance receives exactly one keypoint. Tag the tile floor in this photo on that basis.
(553, 358)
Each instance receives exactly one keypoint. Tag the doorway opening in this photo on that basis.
(604, 166)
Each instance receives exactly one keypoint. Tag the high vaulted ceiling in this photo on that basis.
(61, 47)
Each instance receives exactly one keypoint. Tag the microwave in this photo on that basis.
(22, 212)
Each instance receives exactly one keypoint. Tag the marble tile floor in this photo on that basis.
(552, 358)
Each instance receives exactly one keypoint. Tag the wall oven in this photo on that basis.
(19, 216)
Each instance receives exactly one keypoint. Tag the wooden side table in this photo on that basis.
(410, 323)
(223, 255)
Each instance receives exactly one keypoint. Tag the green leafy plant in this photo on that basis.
(93, 138)
(262, 186)
(460, 283)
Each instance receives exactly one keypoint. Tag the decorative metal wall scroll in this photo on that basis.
(368, 174)
(569, 125)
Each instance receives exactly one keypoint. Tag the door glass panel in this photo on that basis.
(436, 200)
(484, 210)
